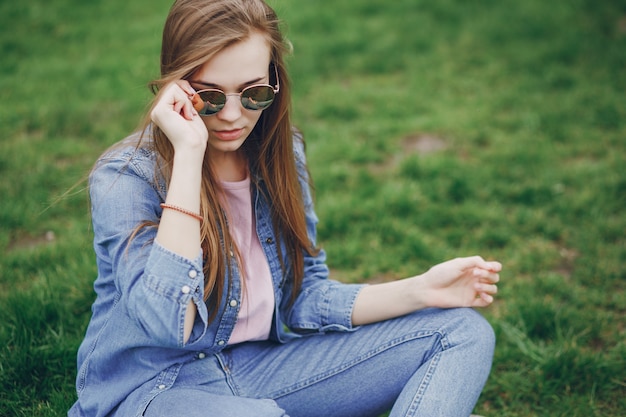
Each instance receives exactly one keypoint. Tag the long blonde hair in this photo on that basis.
(194, 32)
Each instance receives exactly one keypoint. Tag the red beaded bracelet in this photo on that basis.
(182, 210)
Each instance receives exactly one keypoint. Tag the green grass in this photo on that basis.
(524, 102)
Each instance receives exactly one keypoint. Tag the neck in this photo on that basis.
(230, 166)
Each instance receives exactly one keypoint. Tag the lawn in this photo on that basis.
(434, 130)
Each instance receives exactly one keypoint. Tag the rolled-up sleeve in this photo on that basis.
(323, 305)
(152, 284)
(160, 303)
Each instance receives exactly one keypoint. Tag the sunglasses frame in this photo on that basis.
(275, 89)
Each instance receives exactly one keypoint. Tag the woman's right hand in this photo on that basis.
(175, 115)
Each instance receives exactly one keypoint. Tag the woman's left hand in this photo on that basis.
(462, 282)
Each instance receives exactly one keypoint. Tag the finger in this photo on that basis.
(486, 275)
(186, 87)
(486, 298)
(486, 288)
(179, 93)
(189, 111)
(481, 300)
(182, 105)
(492, 266)
(479, 262)
(193, 104)
(493, 278)
(470, 262)
(179, 105)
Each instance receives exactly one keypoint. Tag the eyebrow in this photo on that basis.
(240, 87)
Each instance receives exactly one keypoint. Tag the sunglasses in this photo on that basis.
(254, 97)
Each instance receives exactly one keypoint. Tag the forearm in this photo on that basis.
(386, 301)
(180, 232)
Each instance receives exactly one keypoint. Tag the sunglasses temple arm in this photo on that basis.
(277, 89)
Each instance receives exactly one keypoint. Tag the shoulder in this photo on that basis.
(134, 149)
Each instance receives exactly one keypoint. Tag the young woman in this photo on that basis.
(212, 297)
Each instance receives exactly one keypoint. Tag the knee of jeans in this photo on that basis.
(474, 329)
(488, 335)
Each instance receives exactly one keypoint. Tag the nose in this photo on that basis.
(232, 109)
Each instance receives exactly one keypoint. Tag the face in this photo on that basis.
(239, 66)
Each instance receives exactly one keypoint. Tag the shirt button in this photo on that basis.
(232, 254)
(162, 386)
(201, 355)
(221, 343)
(193, 273)
(233, 303)
(186, 289)
(269, 240)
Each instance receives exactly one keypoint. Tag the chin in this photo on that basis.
(226, 146)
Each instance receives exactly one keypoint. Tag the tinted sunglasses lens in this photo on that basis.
(257, 97)
(214, 101)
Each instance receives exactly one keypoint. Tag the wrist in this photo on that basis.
(185, 183)
(419, 293)
(189, 156)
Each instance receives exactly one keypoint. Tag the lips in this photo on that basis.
(228, 134)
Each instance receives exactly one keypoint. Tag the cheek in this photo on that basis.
(253, 117)
(208, 121)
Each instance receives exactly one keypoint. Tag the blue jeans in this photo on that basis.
(430, 363)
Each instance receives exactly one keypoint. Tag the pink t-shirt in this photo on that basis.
(257, 305)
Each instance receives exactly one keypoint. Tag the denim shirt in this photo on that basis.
(134, 345)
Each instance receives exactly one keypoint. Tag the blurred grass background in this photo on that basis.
(434, 129)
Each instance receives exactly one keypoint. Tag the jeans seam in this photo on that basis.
(332, 372)
(235, 389)
(419, 394)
